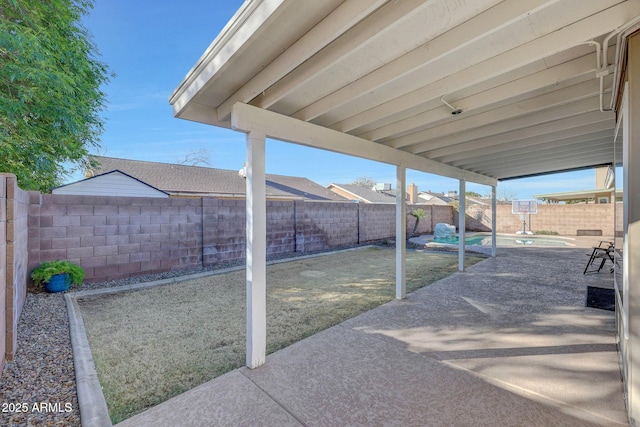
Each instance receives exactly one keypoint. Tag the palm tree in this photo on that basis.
(417, 214)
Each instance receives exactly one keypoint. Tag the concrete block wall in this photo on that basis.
(322, 225)
(224, 229)
(119, 237)
(116, 237)
(478, 218)
(425, 225)
(3, 270)
(376, 221)
(16, 217)
(281, 227)
(443, 214)
(567, 220)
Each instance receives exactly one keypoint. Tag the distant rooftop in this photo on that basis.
(183, 180)
(363, 194)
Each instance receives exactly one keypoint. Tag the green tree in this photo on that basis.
(50, 96)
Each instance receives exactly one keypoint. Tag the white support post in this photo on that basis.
(256, 251)
(462, 224)
(401, 232)
(493, 220)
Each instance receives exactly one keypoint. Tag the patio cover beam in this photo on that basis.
(247, 118)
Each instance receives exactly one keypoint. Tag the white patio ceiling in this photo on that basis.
(526, 73)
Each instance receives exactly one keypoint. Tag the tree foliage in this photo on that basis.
(417, 214)
(50, 96)
(364, 181)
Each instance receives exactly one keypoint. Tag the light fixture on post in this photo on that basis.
(454, 111)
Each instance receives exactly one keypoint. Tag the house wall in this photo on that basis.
(340, 192)
(110, 184)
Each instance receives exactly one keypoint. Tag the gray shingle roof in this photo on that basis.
(196, 180)
(365, 194)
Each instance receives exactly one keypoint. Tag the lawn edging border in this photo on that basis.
(93, 406)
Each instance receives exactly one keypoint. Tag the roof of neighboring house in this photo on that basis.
(357, 192)
(183, 180)
(115, 182)
(430, 198)
(576, 195)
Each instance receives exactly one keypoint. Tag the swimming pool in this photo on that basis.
(506, 240)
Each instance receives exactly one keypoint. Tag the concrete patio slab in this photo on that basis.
(229, 400)
(508, 342)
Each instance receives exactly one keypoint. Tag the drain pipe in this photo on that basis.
(599, 72)
(604, 69)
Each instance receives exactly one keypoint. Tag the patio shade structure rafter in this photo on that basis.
(377, 70)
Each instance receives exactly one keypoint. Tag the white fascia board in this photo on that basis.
(247, 118)
(238, 31)
(201, 114)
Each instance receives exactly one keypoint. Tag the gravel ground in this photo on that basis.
(38, 387)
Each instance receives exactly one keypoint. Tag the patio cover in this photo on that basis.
(477, 90)
(533, 80)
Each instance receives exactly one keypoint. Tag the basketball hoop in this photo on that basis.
(524, 208)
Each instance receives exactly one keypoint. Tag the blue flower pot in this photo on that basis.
(58, 283)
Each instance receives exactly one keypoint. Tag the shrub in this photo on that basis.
(43, 273)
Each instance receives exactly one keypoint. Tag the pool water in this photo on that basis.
(516, 240)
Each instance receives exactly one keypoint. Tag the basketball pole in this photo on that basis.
(524, 208)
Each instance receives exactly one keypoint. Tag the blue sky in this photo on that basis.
(151, 45)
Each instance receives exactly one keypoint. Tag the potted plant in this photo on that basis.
(57, 276)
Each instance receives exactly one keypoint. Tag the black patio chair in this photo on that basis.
(599, 256)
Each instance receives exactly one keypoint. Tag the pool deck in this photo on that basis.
(508, 342)
(572, 241)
